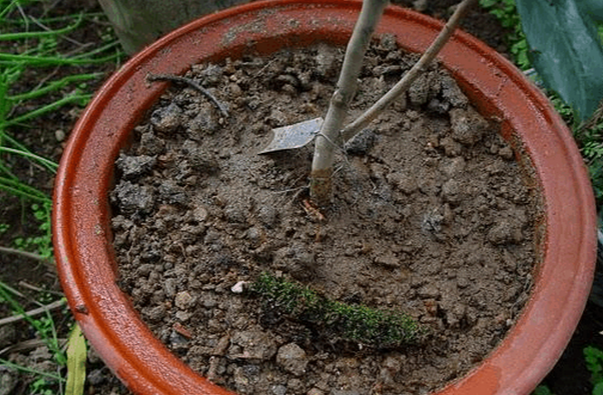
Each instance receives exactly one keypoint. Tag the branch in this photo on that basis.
(31, 313)
(25, 254)
(192, 84)
(402, 86)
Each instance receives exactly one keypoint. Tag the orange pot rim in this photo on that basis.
(81, 215)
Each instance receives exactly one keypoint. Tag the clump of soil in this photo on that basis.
(432, 216)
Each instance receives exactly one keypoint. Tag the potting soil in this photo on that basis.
(432, 216)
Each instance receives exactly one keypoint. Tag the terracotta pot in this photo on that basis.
(83, 241)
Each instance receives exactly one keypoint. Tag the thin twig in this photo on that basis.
(40, 24)
(12, 290)
(38, 289)
(32, 313)
(78, 49)
(363, 120)
(22, 12)
(24, 254)
(28, 345)
(192, 84)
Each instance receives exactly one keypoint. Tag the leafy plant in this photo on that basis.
(45, 329)
(589, 135)
(566, 50)
(42, 244)
(42, 44)
(357, 323)
(506, 13)
(542, 390)
(594, 363)
(39, 49)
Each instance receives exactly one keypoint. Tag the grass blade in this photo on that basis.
(77, 98)
(76, 362)
(24, 369)
(53, 86)
(50, 33)
(50, 165)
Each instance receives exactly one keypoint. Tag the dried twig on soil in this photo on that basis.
(28, 345)
(32, 313)
(24, 254)
(25, 284)
(192, 84)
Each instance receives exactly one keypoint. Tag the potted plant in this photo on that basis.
(81, 214)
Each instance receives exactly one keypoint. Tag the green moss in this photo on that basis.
(358, 323)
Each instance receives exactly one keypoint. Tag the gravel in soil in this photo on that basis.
(432, 216)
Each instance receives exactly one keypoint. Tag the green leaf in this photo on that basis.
(592, 8)
(565, 50)
(598, 390)
(594, 359)
(542, 390)
(76, 362)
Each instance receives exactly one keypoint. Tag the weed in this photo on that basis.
(31, 44)
(38, 45)
(590, 139)
(381, 329)
(42, 386)
(44, 326)
(45, 329)
(593, 357)
(42, 244)
(589, 136)
(593, 150)
(506, 13)
(542, 390)
(594, 363)
(76, 362)
(44, 377)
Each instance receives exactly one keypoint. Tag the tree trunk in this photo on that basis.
(140, 22)
(327, 140)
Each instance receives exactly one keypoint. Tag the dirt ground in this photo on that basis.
(568, 377)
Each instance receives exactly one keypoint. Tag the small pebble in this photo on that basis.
(279, 389)
(200, 214)
(239, 287)
(167, 119)
(452, 191)
(506, 153)
(134, 166)
(96, 377)
(361, 143)
(268, 216)
(292, 358)
(256, 344)
(184, 300)
(59, 134)
(467, 125)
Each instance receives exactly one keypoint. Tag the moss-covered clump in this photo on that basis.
(381, 329)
